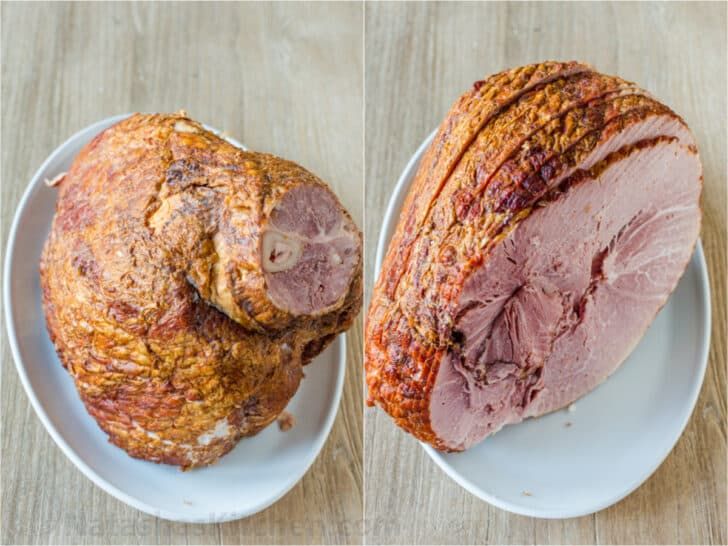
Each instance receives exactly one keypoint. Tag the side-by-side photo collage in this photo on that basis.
(366, 272)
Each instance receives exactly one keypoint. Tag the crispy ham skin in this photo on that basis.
(549, 221)
(186, 282)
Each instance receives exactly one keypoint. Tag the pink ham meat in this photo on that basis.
(531, 279)
(309, 252)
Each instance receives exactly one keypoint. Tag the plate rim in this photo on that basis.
(66, 449)
(400, 188)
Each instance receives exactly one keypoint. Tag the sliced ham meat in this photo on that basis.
(546, 251)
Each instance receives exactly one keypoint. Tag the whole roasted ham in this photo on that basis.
(186, 282)
(550, 219)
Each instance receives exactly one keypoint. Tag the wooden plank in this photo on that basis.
(283, 78)
(419, 58)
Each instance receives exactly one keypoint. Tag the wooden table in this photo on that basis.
(283, 78)
(419, 58)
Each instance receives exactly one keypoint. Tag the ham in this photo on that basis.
(187, 282)
(549, 243)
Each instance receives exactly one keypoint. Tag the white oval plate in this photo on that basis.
(255, 474)
(618, 434)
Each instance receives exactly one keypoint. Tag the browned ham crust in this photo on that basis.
(186, 282)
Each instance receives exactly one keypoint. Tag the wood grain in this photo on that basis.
(283, 78)
(419, 58)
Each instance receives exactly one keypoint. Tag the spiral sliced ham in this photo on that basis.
(549, 221)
